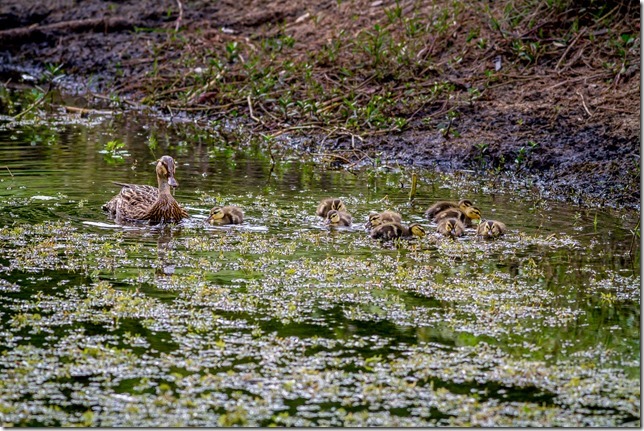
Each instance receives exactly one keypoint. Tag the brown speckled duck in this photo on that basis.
(376, 219)
(338, 218)
(229, 214)
(465, 216)
(387, 231)
(137, 202)
(491, 229)
(329, 204)
(451, 227)
(443, 205)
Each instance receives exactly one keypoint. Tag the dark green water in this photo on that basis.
(281, 321)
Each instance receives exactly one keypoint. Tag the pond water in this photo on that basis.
(283, 321)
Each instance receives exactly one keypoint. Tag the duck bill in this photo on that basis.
(172, 182)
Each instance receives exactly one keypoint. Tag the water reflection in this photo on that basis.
(165, 265)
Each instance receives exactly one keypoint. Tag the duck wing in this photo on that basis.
(132, 202)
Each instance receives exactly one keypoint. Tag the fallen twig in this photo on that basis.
(293, 128)
(111, 99)
(623, 111)
(87, 111)
(570, 81)
(180, 17)
(250, 108)
(583, 30)
(327, 136)
(33, 105)
(583, 102)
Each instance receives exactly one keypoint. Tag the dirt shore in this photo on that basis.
(546, 93)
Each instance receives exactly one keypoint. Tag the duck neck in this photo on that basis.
(164, 187)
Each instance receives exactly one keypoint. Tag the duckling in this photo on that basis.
(329, 204)
(226, 215)
(376, 219)
(491, 229)
(338, 218)
(464, 216)
(450, 226)
(443, 205)
(393, 230)
(142, 202)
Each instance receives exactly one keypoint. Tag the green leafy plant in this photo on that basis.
(524, 153)
(113, 151)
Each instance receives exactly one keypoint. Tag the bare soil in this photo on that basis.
(563, 110)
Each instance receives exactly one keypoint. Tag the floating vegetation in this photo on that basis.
(282, 321)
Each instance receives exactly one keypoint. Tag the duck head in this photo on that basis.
(165, 170)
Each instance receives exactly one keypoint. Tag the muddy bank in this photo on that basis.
(550, 95)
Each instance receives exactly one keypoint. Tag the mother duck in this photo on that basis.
(137, 202)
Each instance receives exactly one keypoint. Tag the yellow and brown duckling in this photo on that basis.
(491, 229)
(226, 215)
(137, 202)
(465, 216)
(450, 226)
(444, 205)
(393, 230)
(338, 218)
(376, 219)
(329, 204)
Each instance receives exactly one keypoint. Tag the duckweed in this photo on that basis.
(280, 321)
